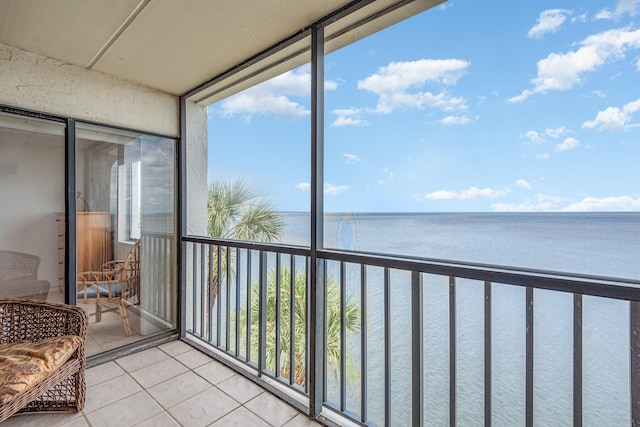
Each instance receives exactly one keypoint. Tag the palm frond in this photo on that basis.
(234, 211)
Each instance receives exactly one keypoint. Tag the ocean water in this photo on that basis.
(601, 244)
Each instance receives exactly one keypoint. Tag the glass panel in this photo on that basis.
(501, 147)
(31, 193)
(125, 234)
(259, 160)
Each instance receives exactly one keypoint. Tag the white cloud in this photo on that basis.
(579, 18)
(542, 203)
(348, 121)
(351, 158)
(557, 132)
(330, 85)
(546, 203)
(348, 117)
(543, 156)
(248, 103)
(624, 6)
(274, 97)
(470, 193)
(523, 184)
(563, 71)
(334, 190)
(390, 102)
(549, 21)
(393, 83)
(330, 189)
(609, 204)
(455, 120)
(533, 136)
(400, 76)
(568, 144)
(614, 118)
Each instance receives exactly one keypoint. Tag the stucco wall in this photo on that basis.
(35, 82)
(196, 195)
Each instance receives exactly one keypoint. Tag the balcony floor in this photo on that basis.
(172, 384)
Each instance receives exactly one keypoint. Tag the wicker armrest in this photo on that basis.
(27, 320)
(63, 389)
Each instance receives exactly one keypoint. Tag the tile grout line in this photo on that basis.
(166, 411)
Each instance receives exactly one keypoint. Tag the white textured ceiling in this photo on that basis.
(169, 45)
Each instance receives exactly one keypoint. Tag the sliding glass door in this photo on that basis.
(125, 228)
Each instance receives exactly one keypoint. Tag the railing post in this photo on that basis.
(387, 346)
(316, 347)
(343, 338)
(278, 319)
(417, 393)
(262, 313)
(577, 360)
(529, 358)
(634, 313)
(207, 290)
(452, 351)
(487, 353)
(218, 293)
(363, 343)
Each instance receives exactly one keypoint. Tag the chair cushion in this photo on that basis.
(103, 289)
(24, 364)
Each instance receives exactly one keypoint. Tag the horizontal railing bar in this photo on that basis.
(606, 287)
(420, 263)
(594, 285)
(258, 246)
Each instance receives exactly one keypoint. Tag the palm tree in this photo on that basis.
(352, 323)
(236, 212)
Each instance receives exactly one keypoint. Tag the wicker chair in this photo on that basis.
(64, 389)
(19, 276)
(116, 282)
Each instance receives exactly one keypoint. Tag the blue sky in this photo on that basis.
(468, 107)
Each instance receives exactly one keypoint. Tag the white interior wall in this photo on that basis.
(32, 191)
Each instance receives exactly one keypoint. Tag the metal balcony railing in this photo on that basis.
(419, 342)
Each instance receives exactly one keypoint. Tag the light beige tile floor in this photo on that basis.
(109, 333)
(170, 385)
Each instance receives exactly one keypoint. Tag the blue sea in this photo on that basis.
(599, 244)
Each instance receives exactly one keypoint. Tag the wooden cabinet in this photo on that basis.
(93, 242)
